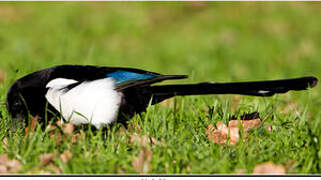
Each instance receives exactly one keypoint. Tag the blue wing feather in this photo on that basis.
(124, 76)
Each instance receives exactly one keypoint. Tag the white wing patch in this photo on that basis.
(95, 102)
(263, 92)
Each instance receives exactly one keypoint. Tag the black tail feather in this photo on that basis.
(254, 88)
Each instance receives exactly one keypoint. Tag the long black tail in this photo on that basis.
(254, 88)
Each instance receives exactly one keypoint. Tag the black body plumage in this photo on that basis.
(28, 94)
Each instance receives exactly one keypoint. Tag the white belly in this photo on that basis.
(95, 102)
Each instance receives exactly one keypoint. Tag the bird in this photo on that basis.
(101, 96)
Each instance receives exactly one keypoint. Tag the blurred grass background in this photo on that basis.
(209, 41)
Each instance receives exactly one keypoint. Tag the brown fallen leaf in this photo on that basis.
(75, 137)
(142, 163)
(269, 168)
(142, 140)
(59, 123)
(250, 121)
(221, 133)
(9, 166)
(68, 129)
(50, 128)
(78, 137)
(234, 135)
(65, 156)
(246, 124)
(60, 136)
(32, 125)
(45, 159)
(65, 130)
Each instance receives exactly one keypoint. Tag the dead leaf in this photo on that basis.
(78, 137)
(142, 163)
(68, 128)
(8, 166)
(32, 125)
(59, 123)
(65, 156)
(50, 128)
(142, 140)
(234, 135)
(65, 131)
(246, 124)
(221, 133)
(45, 159)
(269, 168)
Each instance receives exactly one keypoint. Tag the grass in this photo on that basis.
(208, 42)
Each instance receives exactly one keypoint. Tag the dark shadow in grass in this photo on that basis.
(247, 116)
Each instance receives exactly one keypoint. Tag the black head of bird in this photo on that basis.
(100, 95)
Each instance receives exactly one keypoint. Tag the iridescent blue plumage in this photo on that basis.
(123, 76)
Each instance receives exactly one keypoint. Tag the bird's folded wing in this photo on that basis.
(125, 79)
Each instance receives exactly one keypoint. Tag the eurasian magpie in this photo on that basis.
(99, 95)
